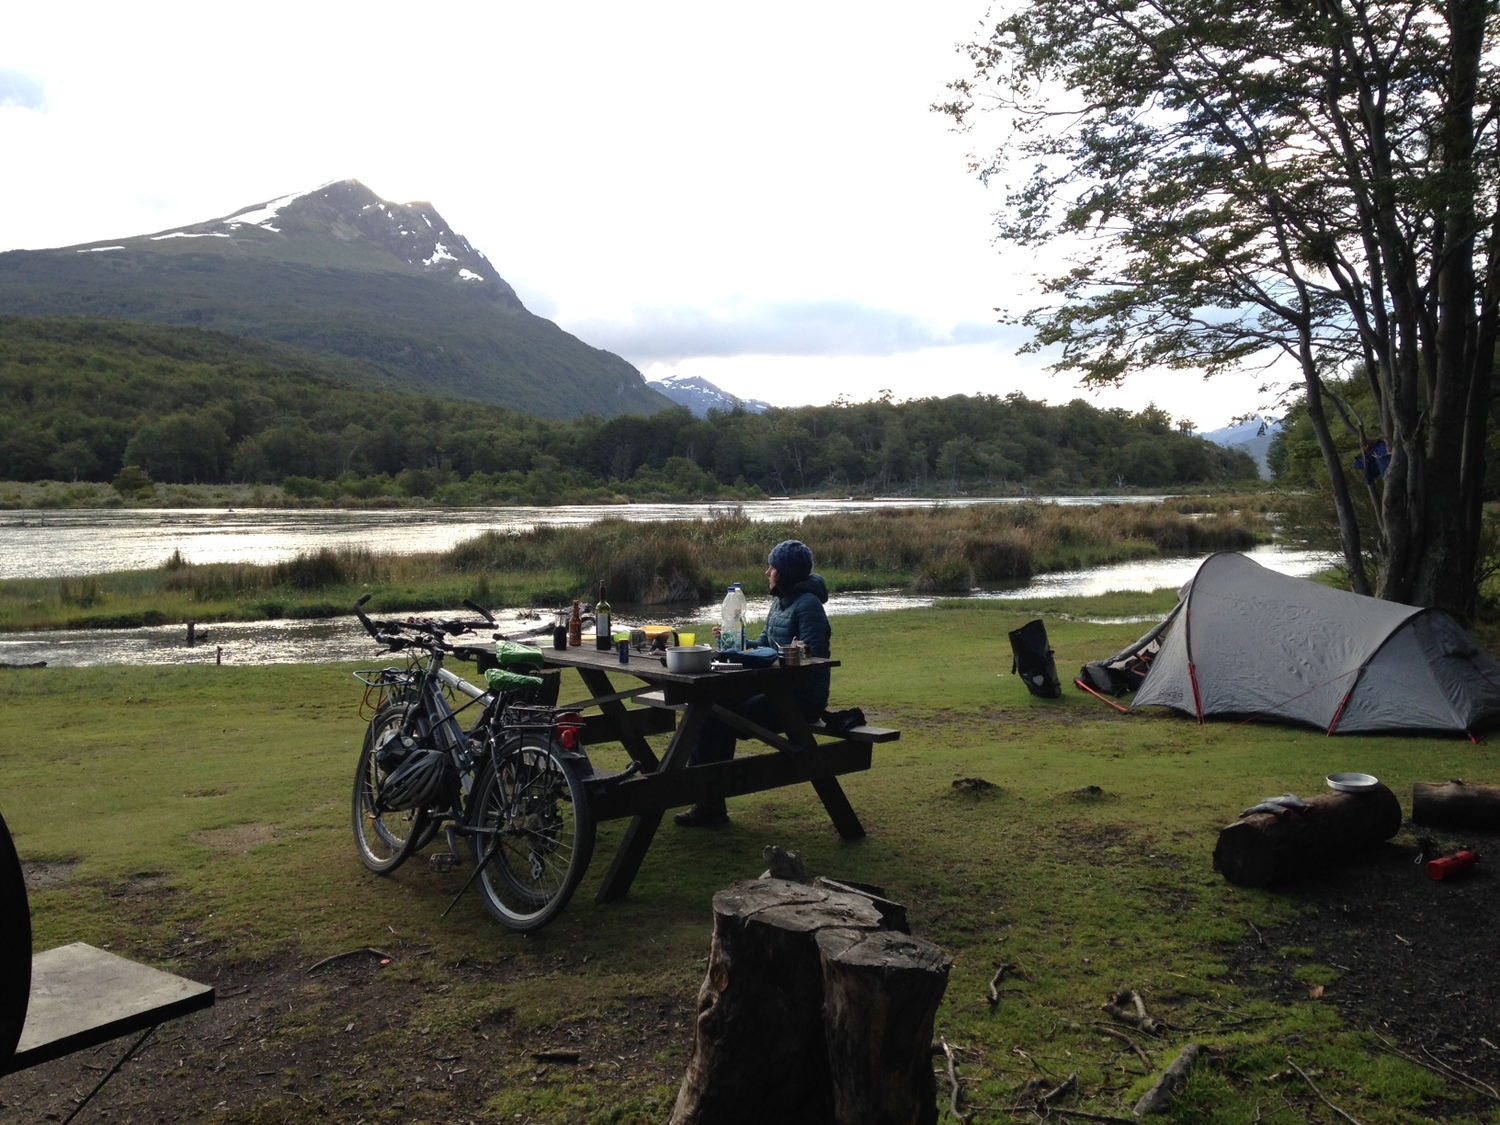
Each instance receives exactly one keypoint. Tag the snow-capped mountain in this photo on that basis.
(700, 396)
(1252, 435)
(338, 270)
(352, 213)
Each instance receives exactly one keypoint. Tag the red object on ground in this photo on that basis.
(1447, 866)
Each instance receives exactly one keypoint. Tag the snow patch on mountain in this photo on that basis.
(1253, 435)
(700, 396)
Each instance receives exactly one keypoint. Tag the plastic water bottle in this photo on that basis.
(732, 618)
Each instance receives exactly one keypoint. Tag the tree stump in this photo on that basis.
(15, 947)
(1455, 804)
(1258, 850)
(806, 1012)
(880, 994)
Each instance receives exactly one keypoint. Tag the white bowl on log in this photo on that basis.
(689, 658)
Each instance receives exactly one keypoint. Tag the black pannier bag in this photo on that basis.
(1031, 656)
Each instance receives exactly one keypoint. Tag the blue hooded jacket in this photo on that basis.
(796, 614)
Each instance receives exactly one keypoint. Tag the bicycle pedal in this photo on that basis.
(441, 863)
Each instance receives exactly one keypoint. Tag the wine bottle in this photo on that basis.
(603, 637)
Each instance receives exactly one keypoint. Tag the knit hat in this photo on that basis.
(793, 561)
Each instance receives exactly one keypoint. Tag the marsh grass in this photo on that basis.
(227, 789)
(939, 549)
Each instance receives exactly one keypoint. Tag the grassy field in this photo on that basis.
(1086, 867)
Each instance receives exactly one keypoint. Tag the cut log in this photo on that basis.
(798, 976)
(880, 997)
(1455, 804)
(1158, 1099)
(1265, 848)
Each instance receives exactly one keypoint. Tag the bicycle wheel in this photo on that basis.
(531, 817)
(384, 838)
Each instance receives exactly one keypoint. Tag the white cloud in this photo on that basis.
(21, 90)
(787, 328)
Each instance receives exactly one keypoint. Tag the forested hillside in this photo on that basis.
(80, 400)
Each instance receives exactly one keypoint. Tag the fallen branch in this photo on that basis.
(1136, 1016)
(555, 1056)
(1067, 1086)
(1116, 1033)
(1060, 1111)
(1442, 1069)
(1313, 1087)
(350, 953)
(994, 997)
(1158, 1099)
(955, 1091)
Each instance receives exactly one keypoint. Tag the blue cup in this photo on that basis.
(624, 649)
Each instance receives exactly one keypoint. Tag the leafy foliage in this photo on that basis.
(136, 403)
(1242, 184)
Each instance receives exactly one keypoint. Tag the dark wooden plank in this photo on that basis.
(860, 734)
(840, 811)
(750, 773)
(642, 720)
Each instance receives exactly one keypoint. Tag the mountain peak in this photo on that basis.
(351, 217)
(700, 396)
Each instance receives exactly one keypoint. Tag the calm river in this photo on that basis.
(56, 544)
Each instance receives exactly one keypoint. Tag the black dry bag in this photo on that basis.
(1032, 658)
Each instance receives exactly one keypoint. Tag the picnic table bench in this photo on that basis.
(679, 703)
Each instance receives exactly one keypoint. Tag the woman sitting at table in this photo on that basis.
(796, 614)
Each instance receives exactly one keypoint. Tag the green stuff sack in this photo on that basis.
(513, 655)
(501, 680)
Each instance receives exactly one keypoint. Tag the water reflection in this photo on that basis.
(342, 639)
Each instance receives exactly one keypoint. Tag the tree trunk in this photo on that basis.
(810, 1013)
(1259, 850)
(1455, 804)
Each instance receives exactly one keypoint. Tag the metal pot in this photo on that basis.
(689, 658)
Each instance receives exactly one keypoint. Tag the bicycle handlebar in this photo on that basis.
(389, 633)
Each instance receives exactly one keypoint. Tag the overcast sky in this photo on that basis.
(758, 195)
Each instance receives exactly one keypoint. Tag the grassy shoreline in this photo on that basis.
(1086, 867)
(937, 550)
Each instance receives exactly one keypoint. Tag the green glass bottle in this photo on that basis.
(603, 636)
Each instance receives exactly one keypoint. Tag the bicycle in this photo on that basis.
(511, 786)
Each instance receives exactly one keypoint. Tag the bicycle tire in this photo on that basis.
(530, 797)
(384, 838)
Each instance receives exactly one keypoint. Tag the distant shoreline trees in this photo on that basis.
(84, 400)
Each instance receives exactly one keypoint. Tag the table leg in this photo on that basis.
(829, 791)
(637, 841)
(635, 745)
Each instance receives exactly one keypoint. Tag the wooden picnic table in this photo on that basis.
(653, 700)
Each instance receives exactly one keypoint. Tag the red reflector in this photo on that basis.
(569, 737)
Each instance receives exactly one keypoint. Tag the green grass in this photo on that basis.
(228, 788)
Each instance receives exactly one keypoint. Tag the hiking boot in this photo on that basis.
(705, 814)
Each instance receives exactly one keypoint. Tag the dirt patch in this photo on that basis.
(237, 840)
(43, 873)
(287, 1042)
(1413, 959)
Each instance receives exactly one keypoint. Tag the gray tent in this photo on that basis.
(1248, 641)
